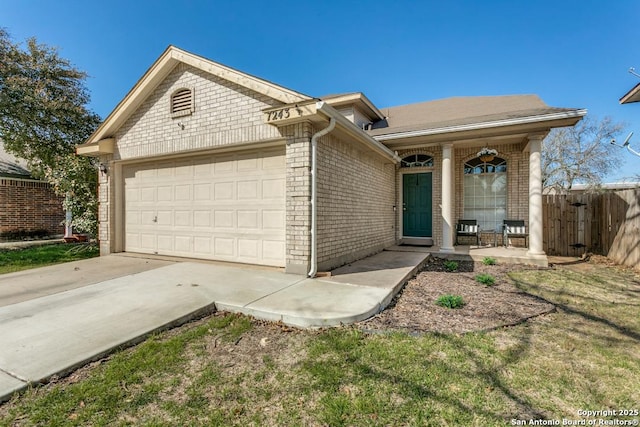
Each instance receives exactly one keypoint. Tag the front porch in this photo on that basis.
(508, 255)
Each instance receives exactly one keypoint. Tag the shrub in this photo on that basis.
(489, 261)
(486, 279)
(451, 265)
(450, 301)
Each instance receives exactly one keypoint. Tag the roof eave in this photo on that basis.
(354, 131)
(560, 119)
(361, 100)
(632, 96)
(318, 113)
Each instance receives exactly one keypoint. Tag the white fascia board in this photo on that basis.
(484, 125)
(355, 131)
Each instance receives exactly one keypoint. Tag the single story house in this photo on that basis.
(204, 161)
(28, 207)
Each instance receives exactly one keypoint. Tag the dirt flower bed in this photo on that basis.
(486, 307)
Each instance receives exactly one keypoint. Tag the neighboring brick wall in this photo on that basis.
(28, 207)
(356, 195)
(224, 114)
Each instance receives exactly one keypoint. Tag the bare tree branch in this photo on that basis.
(581, 153)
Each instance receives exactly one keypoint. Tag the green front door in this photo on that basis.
(416, 205)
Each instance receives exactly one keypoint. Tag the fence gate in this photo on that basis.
(567, 225)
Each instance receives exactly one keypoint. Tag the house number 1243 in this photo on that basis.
(278, 114)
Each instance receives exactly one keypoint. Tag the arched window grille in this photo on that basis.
(417, 160)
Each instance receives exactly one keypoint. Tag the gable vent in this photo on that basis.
(182, 102)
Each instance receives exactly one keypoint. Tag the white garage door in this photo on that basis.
(227, 207)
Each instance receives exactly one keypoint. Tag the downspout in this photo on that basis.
(314, 195)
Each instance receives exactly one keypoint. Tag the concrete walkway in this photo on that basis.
(43, 336)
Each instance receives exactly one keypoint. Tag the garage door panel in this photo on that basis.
(273, 219)
(224, 246)
(224, 165)
(183, 244)
(248, 163)
(183, 219)
(182, 193)
(248, 190)
(224, 191)
(164, 169)
(165, 193)
(202, 245)
(148, 194)
(164, 218)
(223, 219)
(272, 249)
(165, 242)
(273, 188)
(248, 248)
(202, 218)
(202, 192)
(248, 219)
(148, 242)
(273, 162)
(147, 217)
(228, 207)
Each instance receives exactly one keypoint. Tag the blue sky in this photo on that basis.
(570, 53)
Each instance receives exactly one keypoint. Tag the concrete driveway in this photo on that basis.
(35, 283)
(58, 318)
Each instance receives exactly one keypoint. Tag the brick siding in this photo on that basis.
(224, 114)
(356, 195)
(29, 207)
(298, 187)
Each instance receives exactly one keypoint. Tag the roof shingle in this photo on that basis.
(460, 111)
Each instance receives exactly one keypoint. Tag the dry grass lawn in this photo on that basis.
(232, 370)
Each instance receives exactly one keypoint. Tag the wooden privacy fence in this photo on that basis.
(600, 223)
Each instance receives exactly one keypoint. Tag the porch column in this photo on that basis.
(447, 198)
(535, 196)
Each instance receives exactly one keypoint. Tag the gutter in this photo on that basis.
(314, 195)
(485, 125)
